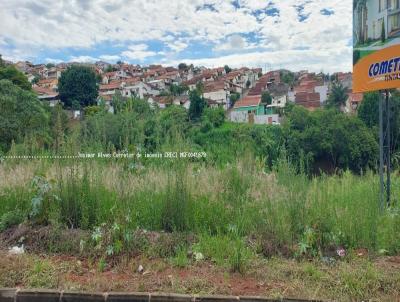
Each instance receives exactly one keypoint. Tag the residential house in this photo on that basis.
(139, 89)
(50, 84)
(278, 92)
(323, 89)
(47, 95)
(216, 91)
(353, 102)
(53, 73)
(346, 79)
(250, 104)
(311, 92)
(158, 84)
(107, 91)
(24, 66)
(261, 85)
(309, 100)
(251, 110)
(162, 101)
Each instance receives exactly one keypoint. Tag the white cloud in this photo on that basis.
(177, 46)
(110, 58)
(138, 52)
(234, 43)
(54, 61)
(83, 59)
(31, 27)
(312, 61)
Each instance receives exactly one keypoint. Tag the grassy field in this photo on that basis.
(270, 227)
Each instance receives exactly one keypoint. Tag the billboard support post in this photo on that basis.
(388, 140)
(384, 149)
(381, 175)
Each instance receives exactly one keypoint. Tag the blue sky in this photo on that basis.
(293, 34)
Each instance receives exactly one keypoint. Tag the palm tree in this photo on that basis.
(338, 96)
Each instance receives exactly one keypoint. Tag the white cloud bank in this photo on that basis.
(320, 42)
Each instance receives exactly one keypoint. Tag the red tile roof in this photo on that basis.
(248, 101)
(214, 86)
(111, 86)
(44, 91)
(355, 97)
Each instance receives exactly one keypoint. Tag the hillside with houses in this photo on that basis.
(248, 95)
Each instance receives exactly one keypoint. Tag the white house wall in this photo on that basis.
(373, 18)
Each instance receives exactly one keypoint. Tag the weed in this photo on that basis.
(42, 275)
(181, 259)
(10, 219)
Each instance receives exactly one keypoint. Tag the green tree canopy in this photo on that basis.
(21, 115)
(288, 77)
(173, 120)
(15, 76)
(234, 97)
(227, 69)
(77, 87)
(216, 116)
(330, 138)
(368, 112)
(177, 90)
(197, 105)
(338, 96)
(182, 66)
(266, 98)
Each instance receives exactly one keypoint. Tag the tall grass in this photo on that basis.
(284, 208)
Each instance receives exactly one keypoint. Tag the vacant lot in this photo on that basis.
(180, 226)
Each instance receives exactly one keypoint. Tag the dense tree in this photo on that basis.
(248, 84)
(177, 90)
(36, 79)
(59, 125)
(338, 96)
(77, 87)
(110, 68)
(197, 105)
(288, 78)
(266, 98)
(1, 61)
(182, 66)
(329, 139)
(227, 69)
(173, 120)
(215, 116)
(15, 76)
(21, 115)
(234, 97)
(368, 112)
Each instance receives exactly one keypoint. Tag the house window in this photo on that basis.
(394, 22)
(393, 4)
(382, 5)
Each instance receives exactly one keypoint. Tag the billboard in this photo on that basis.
(376, 42)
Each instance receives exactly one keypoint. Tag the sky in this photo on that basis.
(294, 34)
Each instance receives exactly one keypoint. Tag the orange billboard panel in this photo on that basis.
(376, 45)
(378, 71)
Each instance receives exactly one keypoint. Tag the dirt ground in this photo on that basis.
(358, 277)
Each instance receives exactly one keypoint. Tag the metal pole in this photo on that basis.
(388, 139)
(382, 186)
